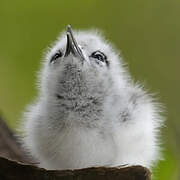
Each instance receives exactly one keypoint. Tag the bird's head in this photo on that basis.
(80, 62)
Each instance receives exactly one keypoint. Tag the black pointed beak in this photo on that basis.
(72, 46)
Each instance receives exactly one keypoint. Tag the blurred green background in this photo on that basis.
(146, 32)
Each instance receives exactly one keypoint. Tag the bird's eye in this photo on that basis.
(100, 56)
(56, 56)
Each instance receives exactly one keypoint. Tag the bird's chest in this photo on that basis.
(81, 147)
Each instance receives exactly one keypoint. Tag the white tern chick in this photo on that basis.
(89, 112)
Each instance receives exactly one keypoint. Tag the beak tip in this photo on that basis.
(68, 28)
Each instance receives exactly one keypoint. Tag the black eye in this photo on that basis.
(56, 56)
(100, 56)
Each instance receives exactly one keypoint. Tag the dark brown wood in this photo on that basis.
(14, 170)
(9, 145)
(11, 170)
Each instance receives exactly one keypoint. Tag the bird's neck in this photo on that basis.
(80, 107)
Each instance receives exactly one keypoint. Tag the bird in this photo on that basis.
(89, 111)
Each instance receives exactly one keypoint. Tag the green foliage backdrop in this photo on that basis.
(146, 32)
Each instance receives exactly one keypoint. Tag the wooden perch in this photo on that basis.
(14, 170)
(9, 146)
(11, 170)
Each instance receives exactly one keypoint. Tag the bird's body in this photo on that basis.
(89, 112)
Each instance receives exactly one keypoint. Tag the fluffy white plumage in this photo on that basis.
(89, 112)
